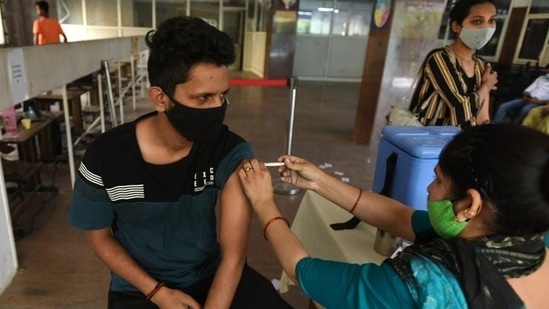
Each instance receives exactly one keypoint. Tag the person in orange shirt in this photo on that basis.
(46, 30)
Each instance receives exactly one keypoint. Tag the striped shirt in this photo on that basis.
(450, 95)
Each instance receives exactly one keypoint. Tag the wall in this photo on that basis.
(76, 33)
(46, 65)
(102, 13)
(46, 68)
(254, 52)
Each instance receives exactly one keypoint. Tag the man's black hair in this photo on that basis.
(43, 5)
(179, 44)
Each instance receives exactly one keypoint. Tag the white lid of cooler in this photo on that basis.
(420, 142)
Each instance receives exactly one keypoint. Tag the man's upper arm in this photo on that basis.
(60, 29)
(235, 212)
(235, 217)
(35, 27)
(91, 207)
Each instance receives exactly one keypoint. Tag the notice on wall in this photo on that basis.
(17, 76)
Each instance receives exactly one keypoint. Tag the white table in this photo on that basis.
(312, 226)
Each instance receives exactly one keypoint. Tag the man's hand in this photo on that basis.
(532, 100)
(167, 298)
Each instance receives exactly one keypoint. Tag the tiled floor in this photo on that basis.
(59, 271)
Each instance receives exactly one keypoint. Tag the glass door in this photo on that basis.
(234, 21)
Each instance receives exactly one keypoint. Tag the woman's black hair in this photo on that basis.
(179, 44)
(462, 8)
(509, 165)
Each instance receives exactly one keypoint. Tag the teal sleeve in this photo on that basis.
(91, 208)
(342, 285)
(420, 221)
(547, 239)
(232, 160)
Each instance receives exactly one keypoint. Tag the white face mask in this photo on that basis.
(476, 38)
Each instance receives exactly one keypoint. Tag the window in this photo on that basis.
(532, 44)
(166, 9)
(352, 17)
(315, 17)
(209, 11)
(70, 12)
(535, 33)
(539, 6)
(257, 16)
(137, 13)
(444, 32)
(102, 13)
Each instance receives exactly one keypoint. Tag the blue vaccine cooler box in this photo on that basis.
(415, 151)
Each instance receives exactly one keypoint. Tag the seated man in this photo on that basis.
(535, 95)
(159, 198)
(538, 118)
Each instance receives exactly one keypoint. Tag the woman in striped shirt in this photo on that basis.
(454, 86)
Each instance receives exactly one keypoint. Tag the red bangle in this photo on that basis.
(157, 287)
(271, 221)
(356, 202)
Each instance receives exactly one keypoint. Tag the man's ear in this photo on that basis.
(469, 206)
(159, 99)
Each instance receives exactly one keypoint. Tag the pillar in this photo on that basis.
(401, 34)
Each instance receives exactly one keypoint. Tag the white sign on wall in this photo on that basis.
(17, 76)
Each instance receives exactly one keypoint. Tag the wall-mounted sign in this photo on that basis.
(382, 13)
(17, 76)
(291, 5)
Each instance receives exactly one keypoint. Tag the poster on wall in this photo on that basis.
(289, 5)
(284, 22)
(17, 76)
(382, 13)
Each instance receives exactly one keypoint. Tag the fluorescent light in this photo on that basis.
(321, 9)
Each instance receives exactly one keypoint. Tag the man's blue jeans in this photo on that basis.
(520, 106)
